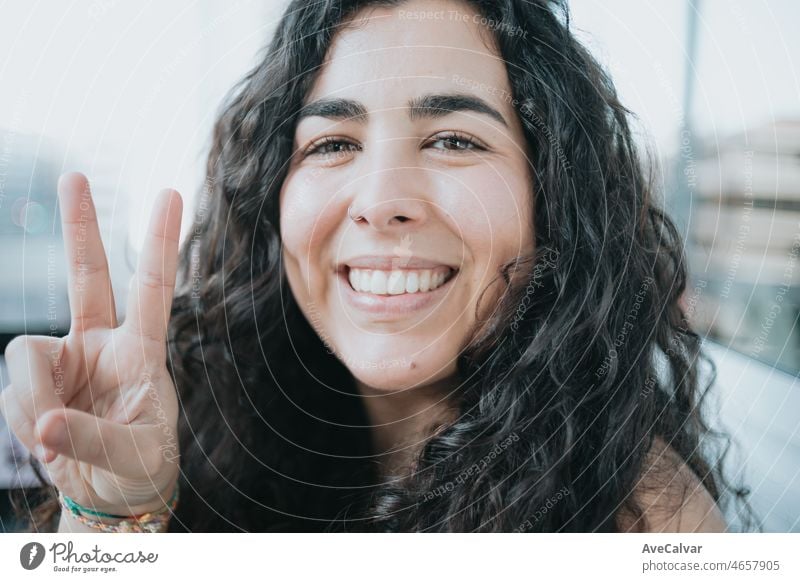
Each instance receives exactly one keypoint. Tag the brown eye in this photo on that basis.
(331, 146)
(456, 142)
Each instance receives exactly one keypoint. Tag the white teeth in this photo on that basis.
(396, 282)
(424, 281)
(378, 282)
(412, 282)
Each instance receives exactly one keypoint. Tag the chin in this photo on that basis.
(392, 372)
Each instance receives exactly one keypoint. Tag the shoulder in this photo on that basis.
(671, 497)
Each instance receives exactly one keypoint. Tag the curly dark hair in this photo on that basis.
(587, 359)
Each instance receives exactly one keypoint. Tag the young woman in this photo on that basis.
(428, 288)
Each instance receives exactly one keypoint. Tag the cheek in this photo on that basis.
(494, 216)
(494, 220)
(309, 219)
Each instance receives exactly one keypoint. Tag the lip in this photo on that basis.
(392, 262)
(390, 307)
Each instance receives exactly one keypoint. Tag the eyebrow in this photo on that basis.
(429, 106)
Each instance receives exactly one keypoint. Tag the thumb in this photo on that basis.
(125, 450)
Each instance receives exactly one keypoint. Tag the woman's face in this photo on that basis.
(411, 127)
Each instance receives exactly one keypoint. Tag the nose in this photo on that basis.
(390, 195)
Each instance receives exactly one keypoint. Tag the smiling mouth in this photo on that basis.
(397, 281)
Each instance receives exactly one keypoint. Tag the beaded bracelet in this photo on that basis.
(149, 522)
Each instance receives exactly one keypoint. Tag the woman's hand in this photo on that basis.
(98, 406)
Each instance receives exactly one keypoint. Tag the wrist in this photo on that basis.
(146, 517)
(161, 500)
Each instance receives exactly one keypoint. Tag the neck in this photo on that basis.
(402, 421)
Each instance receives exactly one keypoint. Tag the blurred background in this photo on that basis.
(126, 92)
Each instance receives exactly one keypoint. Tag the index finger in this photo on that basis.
(91, 298)
(153, 285)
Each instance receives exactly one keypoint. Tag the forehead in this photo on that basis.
(391, 54)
